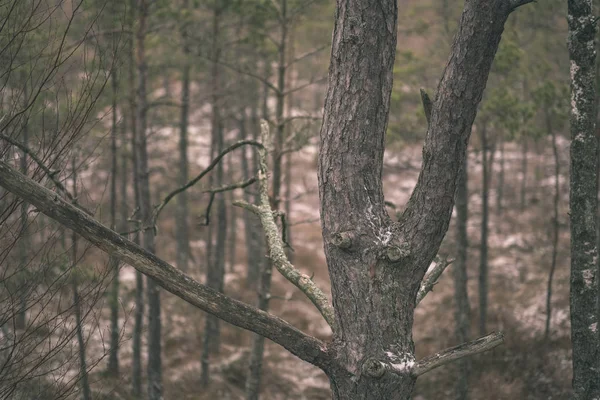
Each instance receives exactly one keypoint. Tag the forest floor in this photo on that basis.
(520, 247)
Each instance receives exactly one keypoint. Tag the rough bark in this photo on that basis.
(483, 244)
(182, 213)
(384, 263)
(462, 312)
(555, 230)
(583, 191)
(152, 291)
(113, 355)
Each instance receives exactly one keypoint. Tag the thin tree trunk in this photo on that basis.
(113, 357)
(555, 230)
(500, 185)
(182, 216)
(25, 240)
(483, 246)
(289, 156)
(462, 313)
(216, 270)
(153, 293)
(524, 154)
(264, 291)
(584, 190)
(83, 373)
(232, 230)
(136, 368)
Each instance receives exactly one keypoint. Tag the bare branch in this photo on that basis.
(275, 242)
(235, 312)
(444, 357)
(213, 164)
(431, 279)
(300, 87)
(232, 186)
(306, 55)
(49, 173)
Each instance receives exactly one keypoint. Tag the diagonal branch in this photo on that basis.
(431, 279)
(276, 244)
(468, 349)
(235, 312)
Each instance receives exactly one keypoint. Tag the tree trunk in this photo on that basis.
(525, 151)
(216, 269)
(555, 229)
(232, 241)
(264, 290)
(113, 356)
(182, 216)
(500, 186)
(583, 191)
(483, 246)
(83, 373)
(462, 313)
(25, 239)
(153, 294)
(370, 257)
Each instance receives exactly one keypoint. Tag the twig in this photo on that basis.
(274, 240)
(214, 162)
(431, 279)
(232, 186)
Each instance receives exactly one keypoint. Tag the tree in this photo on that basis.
(370, 258)
(584, 191)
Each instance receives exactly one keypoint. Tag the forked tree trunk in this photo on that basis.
(585, 333)
(369, 257)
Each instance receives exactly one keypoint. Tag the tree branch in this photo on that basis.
(274, 240)
(444, 357)
(431, 279)
(235, 312)
(213, 164)
(50, 174)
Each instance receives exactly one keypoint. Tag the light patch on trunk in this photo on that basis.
(588, 278)
(594, 327)
(401, 363)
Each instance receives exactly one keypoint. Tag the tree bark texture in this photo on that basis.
(584, 190)
(376, 275)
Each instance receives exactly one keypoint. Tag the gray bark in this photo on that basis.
(462, 313)
(584, 189)
(387, 261)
